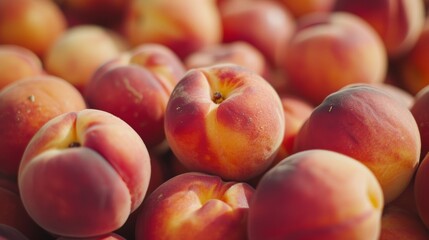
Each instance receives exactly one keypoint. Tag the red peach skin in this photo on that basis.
(83, 173)
(224, 120)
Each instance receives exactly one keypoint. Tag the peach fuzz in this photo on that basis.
(195, 206)
(296, 112)
(421, 193)
(397, 22)
(83, 173)
(136, 87)
(239, 52)
(301, 198)
(368, 124)
(224, 120)
(399, 224)
(34, 25)
(420, 113)
(25, 106)
(412, 67)
(77, 54)
(304, 7)
(17, 62)
(346, 43)
(264, 24)
(182, 25)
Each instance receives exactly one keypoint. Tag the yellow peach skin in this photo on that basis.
(182, 25)
(83, 173)
(400, 224)
(195, 206)
(78, 53)
(17, 62)
(224, 120)
(316, 194)
(329, 51)
(34, 25)
(370, 125)
(25, 106)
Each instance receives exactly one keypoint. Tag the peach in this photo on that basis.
(420, 113)
(296, 112)
(316, 194)
(397, 22)
(351, 50)
(396, 92)
(413, 73)
(399, 224)
(11, 233)
(136, 87)
(304, 7)
(80, 51)
(13, 213)
(25, 106)
(239, 52)
(83, 173)
(17, 62)
(108, 13)
(421, 193)
(264, 24)
(368, 124)
(195, 206)
(34, 25)
(184, 26)
(224, 120)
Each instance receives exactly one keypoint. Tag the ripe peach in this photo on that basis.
(304, 7)
(239, 52)
(80, 51)
(182, 25)
(396, 92)
(421, 193)
(351, 50)
(412, 67)
(17, 62)
(136, 87)
(224, 120)
(34, 25)
(13, 213)
(397, 22)
(420, 112)
(316, 194)
(25, 106)
(399, 224)
(107, 13)
(83, 173)
(264, 24)
(297, 111)
(195, 206)
(368, 124)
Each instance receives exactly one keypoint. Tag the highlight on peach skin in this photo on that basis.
(357, 122)
(316, 194)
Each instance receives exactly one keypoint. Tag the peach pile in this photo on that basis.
(214, 119)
